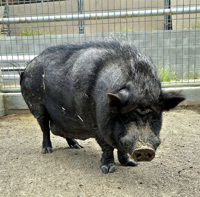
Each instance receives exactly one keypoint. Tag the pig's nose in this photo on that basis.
(143, 153)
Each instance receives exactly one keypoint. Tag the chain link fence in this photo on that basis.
(166, 30)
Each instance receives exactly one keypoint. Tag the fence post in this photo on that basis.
(1, 80)
(168, 18)
(2, 109)
(7, 15)
(80, 11)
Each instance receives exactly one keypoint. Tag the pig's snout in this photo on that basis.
(144, 153)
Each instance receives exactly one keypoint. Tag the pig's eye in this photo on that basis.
(143, 111)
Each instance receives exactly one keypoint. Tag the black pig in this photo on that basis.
(107, 90)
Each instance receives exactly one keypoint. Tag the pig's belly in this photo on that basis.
(65, 123)
(68, 132)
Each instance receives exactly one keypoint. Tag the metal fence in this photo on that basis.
(166, 30)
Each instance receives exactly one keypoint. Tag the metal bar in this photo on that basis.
(105, 15)
(12, 68)
(9, 90)
(180, 84)
(17, 57)
(8, 77)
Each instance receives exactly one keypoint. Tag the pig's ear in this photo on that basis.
(118, 99)
(169, 100)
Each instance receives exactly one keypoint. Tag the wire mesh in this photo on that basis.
(172, 40)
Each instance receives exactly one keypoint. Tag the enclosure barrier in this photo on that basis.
(174, 48)
(107, 15)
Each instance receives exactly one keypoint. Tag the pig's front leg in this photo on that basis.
(107, 159)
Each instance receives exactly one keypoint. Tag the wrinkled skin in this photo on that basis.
(107, 90)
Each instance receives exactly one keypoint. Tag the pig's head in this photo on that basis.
(136, 126)
(136, 115)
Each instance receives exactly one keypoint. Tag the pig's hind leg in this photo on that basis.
(73, 143)
(40, 113)
(125, 160)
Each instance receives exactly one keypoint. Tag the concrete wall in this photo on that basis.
(44, 9)
(178, 50)
(13, 103)
(91, 26)
(136, 24)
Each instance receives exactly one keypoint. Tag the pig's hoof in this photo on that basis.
(130, 163)
(76, 146)
(108, 168)
(47, 150)
(73, 143)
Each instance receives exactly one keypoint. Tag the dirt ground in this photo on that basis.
(24, 171)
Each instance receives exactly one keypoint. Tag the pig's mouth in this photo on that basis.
(143, 153)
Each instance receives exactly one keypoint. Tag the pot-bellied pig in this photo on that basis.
(106, 90)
